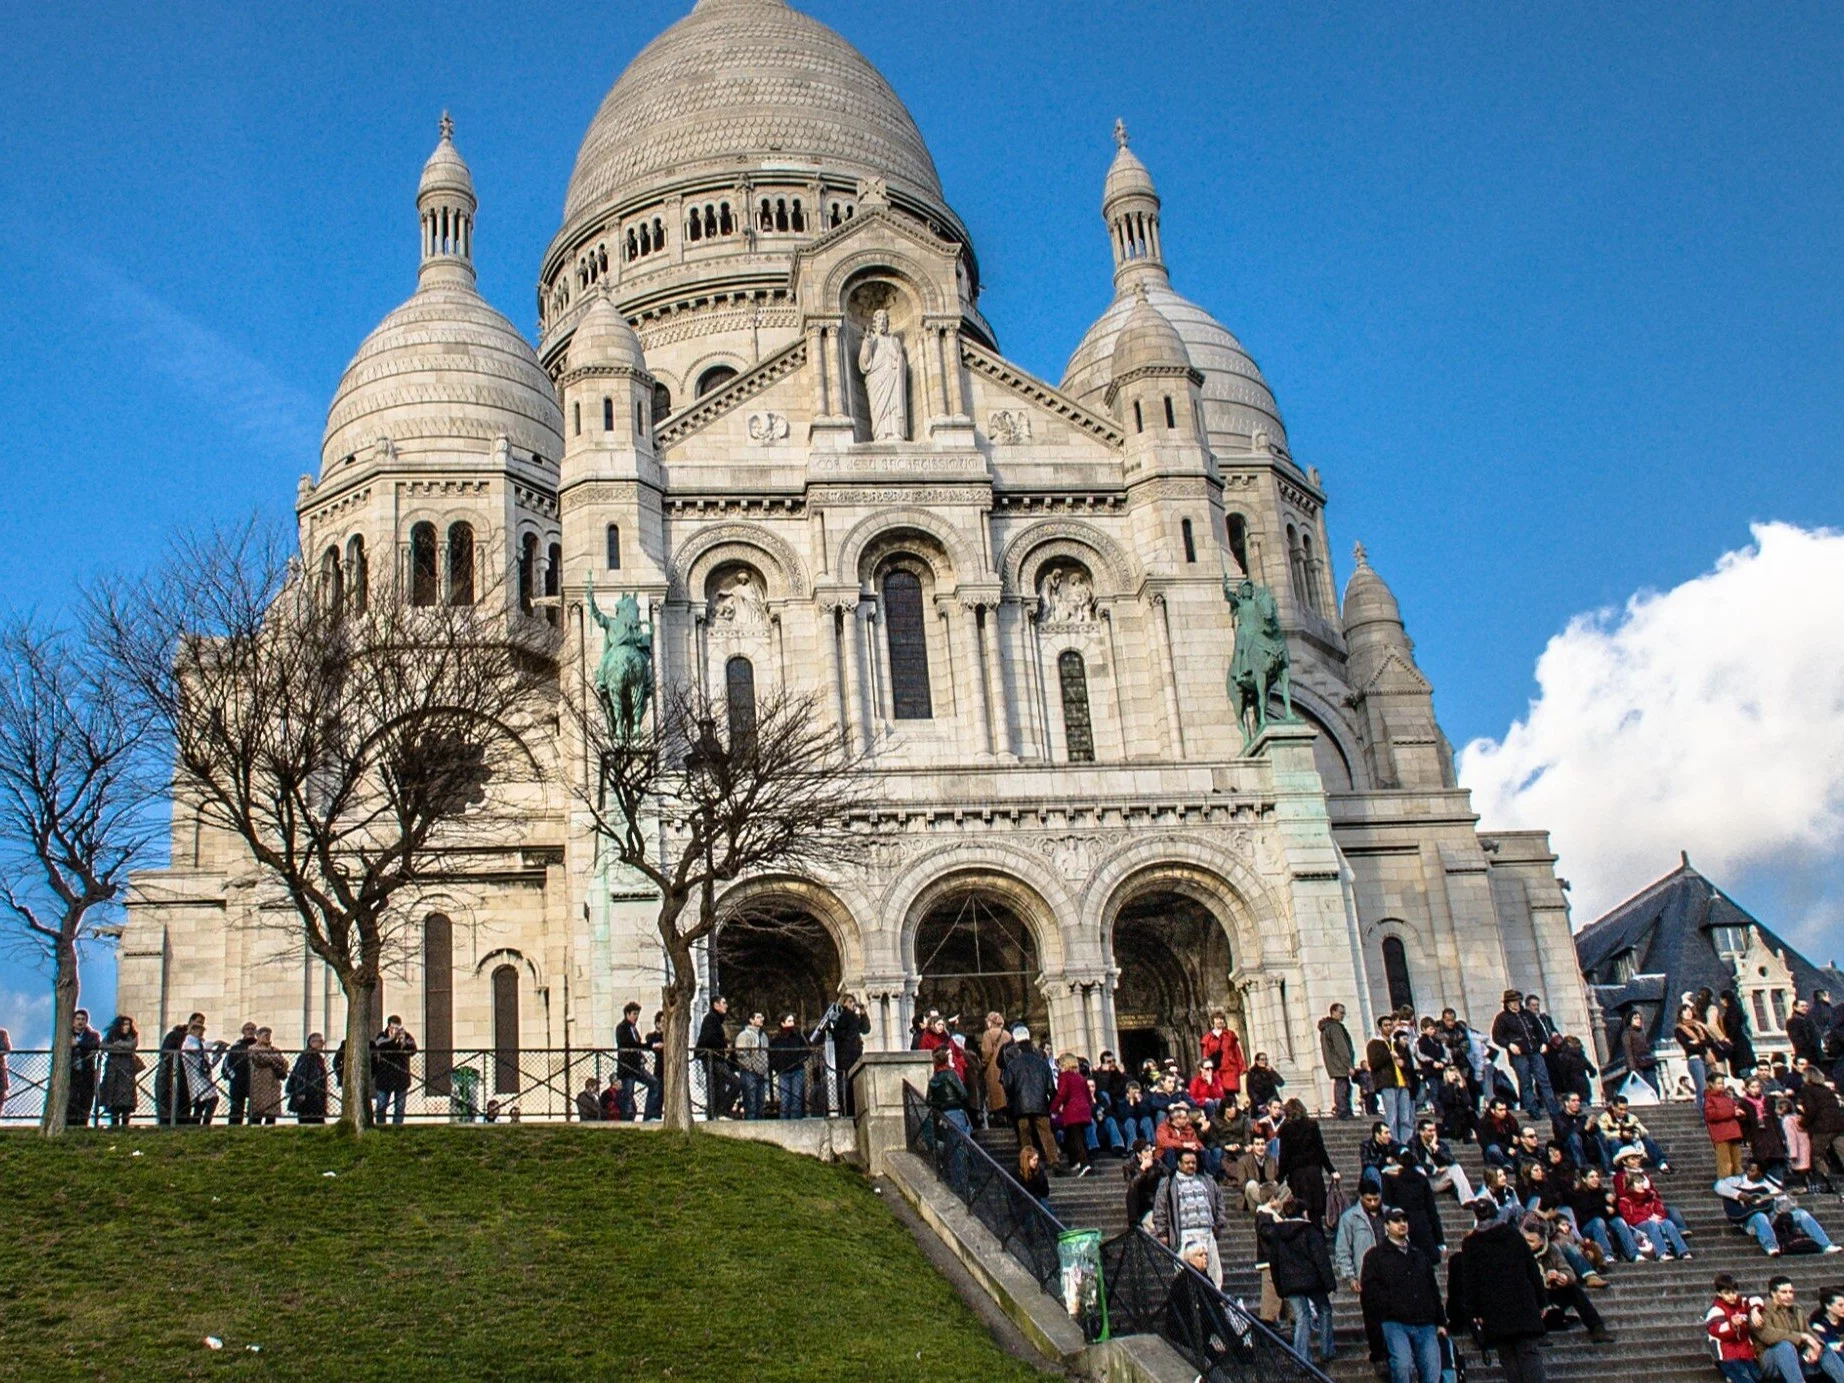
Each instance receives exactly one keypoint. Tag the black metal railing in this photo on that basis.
(1149, 1290)
(440, 1085)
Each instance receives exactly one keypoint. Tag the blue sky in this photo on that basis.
(1550, 294)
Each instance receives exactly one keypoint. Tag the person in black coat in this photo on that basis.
(1734, 1020)
(1303, 1162)
(1397, 1281)
(1300, 1266)
(631, 1067)
(1500, 1295)
(1407, 1189)
(720, 1087)
(237, 1074)
(306, 1089)
(172, 1095)
(1027, 1081)
(85, 1048)
(849, 1027)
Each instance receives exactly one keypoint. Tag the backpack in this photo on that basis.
(1790, 1237)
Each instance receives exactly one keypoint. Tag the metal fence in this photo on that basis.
(460, 1085)
(1149, 1290)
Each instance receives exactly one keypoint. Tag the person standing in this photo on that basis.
(307, 1082)
(172, 1099)
(712, 1043)
(1637, 1047)
(1188, 1210)
(1340, 1058)
(1302, 1161)
(752, 1064)
(1027, 1085)
(947, 1095)
(1223, 1047)
(1293, 1247)
(1073, 1111)
(1360, 1229)
(391, 1051)
(1694, 1040)
(1732, 1019)
(1390, 1082)
(1502, 1290)
(1398, 1283)
(1520, 1035)
(993, 1042)
(237, 1074)
(200, 1061)
(85, 1047)
(122, 1064)
(589, 1102)
(1722, 1117)
(268, 1068)
(787, 1058)
(631, 1064)
(850, 1026)
(1803, 1031)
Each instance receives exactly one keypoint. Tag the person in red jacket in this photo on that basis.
(1646, 1215)
(1223, 1049)
(1729, 1324)
(1205, 1090)
(1072, 1111)
(1722, 1115)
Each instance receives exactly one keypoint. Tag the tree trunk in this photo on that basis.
(354, 1087)
(63, 1007)
(676, 997)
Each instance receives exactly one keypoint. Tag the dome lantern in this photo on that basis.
(445, 204)
(1130, 206)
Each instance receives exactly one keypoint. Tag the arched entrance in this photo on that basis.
(1175, 963)
(775, 957)
(976, 955)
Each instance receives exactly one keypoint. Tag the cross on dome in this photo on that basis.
(448, 128)
(1120, 133)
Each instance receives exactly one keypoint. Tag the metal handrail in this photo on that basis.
(1150, 1290)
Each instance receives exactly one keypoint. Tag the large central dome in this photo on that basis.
(742, 85)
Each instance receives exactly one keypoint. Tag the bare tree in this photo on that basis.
(351, 742)
(692, 810)
(72, 817)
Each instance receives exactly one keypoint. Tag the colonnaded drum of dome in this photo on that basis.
(1135, 759)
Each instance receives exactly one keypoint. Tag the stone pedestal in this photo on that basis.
(877, 1086)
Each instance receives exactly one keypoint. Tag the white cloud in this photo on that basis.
(26, 1017)
(1708, 718)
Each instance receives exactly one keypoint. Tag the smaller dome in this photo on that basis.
(1147, 339)
(1127, 176)
(1368, 600)
(446, 172)
(604, 337)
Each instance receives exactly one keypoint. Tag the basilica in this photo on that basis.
(765, 401)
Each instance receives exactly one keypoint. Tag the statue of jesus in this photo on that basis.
(886, 377)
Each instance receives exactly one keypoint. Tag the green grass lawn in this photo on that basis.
(438, 1253)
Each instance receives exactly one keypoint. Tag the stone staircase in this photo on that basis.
(1655, 1310)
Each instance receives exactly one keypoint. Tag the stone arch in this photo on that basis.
(963, 564)
(885, 261)
(979, 940)
(822, 902)
(767, 551)
(1319, 712)
(1028, 553)
(509, 955)
(1012, 873)
(1423, 983)
(1251, 917)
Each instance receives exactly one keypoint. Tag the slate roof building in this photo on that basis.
(1675, 937)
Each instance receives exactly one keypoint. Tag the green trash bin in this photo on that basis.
(1085, 1296)
(463, 1082)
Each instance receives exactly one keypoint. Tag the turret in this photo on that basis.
(1393, 701)
(1130, 206)
(445, 201)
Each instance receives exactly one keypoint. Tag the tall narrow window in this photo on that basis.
(424, 585)
(505, 1030)
(1396, 974)
(576, 414)
(461, 564)
(358, 573)
(1238, 528)
(553, 579)
(740, 704)
(1309, 572)
(1184, 529)
(438, 1002)
(1078, 732)
(528, 572)
(1139, 422)
(614, 547)
(662, 403)
(1171, 419)
(608, 414)
(1296, 568)
(332, 587)
(909, 696)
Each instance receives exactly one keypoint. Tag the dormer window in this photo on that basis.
(1729, 941)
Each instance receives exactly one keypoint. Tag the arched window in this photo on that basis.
(694, 229)
(576, 415)
(1078, 732)
(767, 218)
(614, 547)
(505, 1030)
(1396, 974)
(781, 214)
(1307, 573)
(1184, 529)
(424, 585)
(796, 218)
(908, 640)
(724, 224)
(438, 1001)
(834, 220)
(461, 564)
(740, 703)
(1294, 570)
(528, 572)
(1238, 529)
(358, 573)
(1171, 420)
(714, 377)
(662, 403)
(1139, 422)
(332, 589)
(608, 414)
(553, 578)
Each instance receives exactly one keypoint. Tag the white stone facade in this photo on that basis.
(1013, 605)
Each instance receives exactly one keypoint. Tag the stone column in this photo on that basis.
(1168, 677)
(855, 726)
(999, 731)
(1106, 612)
(1034, 736)
(880, 668)
(969, 621)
